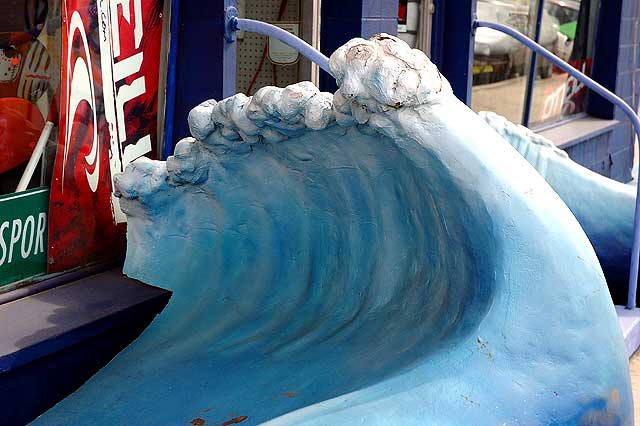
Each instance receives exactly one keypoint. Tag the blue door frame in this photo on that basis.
(452, 43)
(200, 66)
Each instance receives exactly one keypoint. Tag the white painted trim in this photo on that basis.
(24, 194)
(315, 39)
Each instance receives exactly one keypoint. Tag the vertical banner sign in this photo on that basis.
(108, 118)
(23, 235)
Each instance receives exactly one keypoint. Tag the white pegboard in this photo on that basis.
(251, 46)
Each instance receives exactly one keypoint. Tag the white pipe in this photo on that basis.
(413, 16)
(35, 157)
(315, 40)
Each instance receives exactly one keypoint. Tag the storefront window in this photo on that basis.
(78, 102)
(500, 70)
(30, 52)
(30, 48)
(561, 95)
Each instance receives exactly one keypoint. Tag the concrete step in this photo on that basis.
(53, 341)
(630, 323)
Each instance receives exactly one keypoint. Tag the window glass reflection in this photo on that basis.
(562, 96)
(30, 48)
(501, 63)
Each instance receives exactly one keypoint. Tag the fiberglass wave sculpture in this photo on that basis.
(603, 206)
(376, 257)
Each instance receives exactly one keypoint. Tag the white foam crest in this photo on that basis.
(384, 73)
(272, 115)
(379, 78)
(517, 134)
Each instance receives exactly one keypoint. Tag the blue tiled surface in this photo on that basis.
(611, 153)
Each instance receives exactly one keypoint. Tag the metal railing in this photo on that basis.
(233, 23)
(614, 99)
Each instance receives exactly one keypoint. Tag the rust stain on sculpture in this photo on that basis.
(235, 420)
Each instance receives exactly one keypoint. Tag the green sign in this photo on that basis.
(23, 234)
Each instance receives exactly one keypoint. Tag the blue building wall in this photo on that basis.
(617, 66)
(621, 143)
(452, 44)
(346, 19)
(595, 153)
(198, 60)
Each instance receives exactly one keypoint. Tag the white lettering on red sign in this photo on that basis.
(114, 69)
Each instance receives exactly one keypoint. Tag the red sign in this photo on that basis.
(108, 118)
(576, 92)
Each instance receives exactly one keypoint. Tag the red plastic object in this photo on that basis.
(20, 125)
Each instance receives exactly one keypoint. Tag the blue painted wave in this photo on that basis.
(604, 207)
(377, 256)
